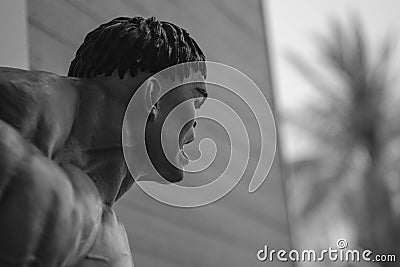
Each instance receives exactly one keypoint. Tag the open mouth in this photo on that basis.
(184, 159)
(184, 154)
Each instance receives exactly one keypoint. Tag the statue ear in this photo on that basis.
(152, 93)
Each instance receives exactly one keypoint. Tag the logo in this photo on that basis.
(235, 136)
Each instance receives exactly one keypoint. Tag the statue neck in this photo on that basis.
(96, 137)
(97, 131)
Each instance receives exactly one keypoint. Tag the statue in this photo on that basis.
(61, 162)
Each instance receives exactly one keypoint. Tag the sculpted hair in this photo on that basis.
(135, 44)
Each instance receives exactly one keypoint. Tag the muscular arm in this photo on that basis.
(51, 215)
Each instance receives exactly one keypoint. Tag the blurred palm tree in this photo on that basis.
(355, 129)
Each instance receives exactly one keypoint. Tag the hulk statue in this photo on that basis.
(62, 165)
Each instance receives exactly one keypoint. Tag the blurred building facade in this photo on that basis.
(13, 32)
(230, 231)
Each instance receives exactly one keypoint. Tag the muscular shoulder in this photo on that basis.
(24, 91)
(40, 105)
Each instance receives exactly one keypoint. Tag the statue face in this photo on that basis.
(170, 127)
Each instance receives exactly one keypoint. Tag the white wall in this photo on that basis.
(13, 34)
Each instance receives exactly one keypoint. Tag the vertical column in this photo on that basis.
(13, 34)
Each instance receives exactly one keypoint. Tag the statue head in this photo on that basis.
(134, 45)
(124, 53)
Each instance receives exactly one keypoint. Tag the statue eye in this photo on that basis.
(194, 124)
